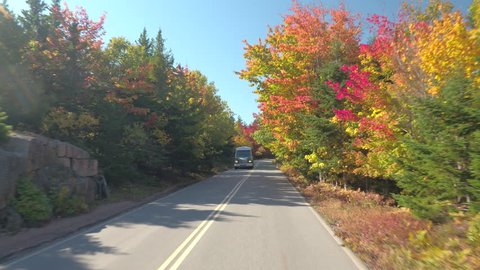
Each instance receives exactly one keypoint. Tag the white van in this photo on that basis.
(243, 157)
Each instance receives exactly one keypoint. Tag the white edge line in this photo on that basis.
(356, 261)
(88, 229)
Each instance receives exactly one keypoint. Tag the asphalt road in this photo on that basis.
(240, 219)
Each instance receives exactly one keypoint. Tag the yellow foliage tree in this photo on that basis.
(445, 47)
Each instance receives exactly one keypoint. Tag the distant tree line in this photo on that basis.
(244, 137)
(126, 102)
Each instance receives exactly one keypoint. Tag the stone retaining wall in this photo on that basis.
(50, 163)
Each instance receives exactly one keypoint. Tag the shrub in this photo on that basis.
(4, 128)
(424, 252)
(294, 175)
(32, 203)
(473, 233)
(371, 231)
(65, 204)
(70, 126)
(321, 191)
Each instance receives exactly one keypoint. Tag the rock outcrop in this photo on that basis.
(50, 163)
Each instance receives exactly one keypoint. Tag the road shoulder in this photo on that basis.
(13, 246)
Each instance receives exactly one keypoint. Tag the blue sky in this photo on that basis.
(207, 34)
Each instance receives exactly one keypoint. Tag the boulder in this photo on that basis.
(13, 221)
(85, 167)
(18, 143)
(61, 148)
(86, 187)
(12, 166)
(64, 162)
(72, 151)
(53, 177)
(35, 149)
(10, 220)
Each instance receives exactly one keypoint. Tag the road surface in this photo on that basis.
(239, 219)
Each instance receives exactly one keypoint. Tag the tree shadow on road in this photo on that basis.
(265, 186)
(66, 255)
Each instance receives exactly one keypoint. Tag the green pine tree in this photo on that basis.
(145, 42)
(474, 180)
(34, 20)
(441, 167)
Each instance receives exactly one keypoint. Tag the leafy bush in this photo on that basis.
(370, 230)
(65, 204)
(321, 191)
(426, 252)
(4, 128)
(32, 203)
(78, 128)
(294, 175)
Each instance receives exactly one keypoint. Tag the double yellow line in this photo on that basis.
(179, 255)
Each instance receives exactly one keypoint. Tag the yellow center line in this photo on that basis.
(198, 233)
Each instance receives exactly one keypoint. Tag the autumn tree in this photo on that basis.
(440, 168)
(245, 136)
(240, 138)
(394, 106)
(193, 103)
(69, 65)
(289, 69)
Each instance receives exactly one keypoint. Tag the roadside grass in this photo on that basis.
(387, 237)
(143, 188)
(133, 192)
(139, 190)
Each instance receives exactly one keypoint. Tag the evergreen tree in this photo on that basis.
(5, 5)
(162, 61)
(53, 20)
(34, 20)
(440, 169)
(145, 42)
(20, 92)
(474, 180)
